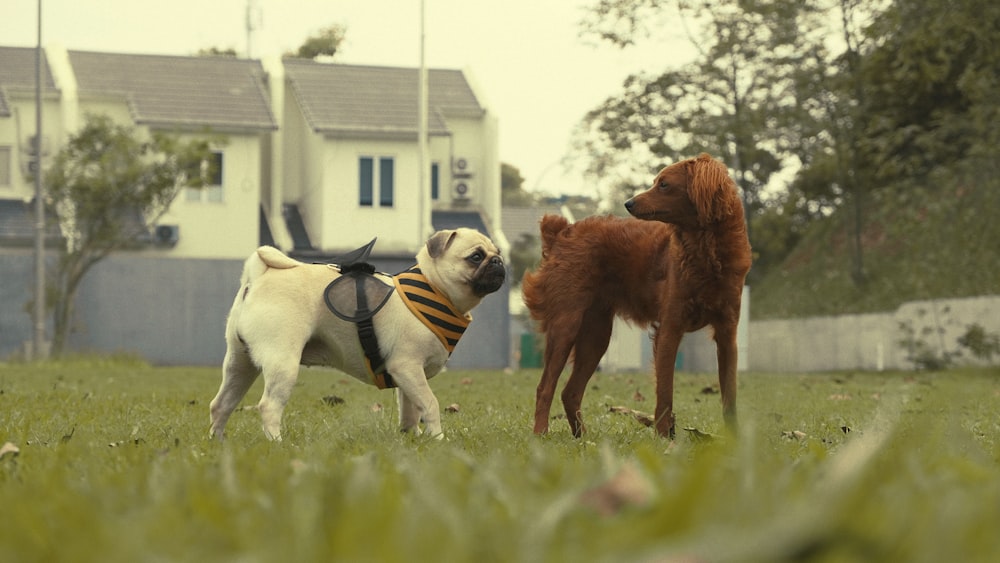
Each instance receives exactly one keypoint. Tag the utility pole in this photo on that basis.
(39, 349)
(422, 148)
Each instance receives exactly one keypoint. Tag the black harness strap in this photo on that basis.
(369, 343)
(354, 266)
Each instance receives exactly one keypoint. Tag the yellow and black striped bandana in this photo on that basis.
(432, 307)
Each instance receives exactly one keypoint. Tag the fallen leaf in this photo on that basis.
(793, 434)
(643, 418)
(627, 487)
(466, 381)
(333, 400)
(698, 435)
(452, 408)
(709, 390)
(638, 396)
(839, 397)
(377, 407)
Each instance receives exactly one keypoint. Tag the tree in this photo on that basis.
(326, 42)
(512, 187)
(741, 99)
(107, 187)
(228, 52)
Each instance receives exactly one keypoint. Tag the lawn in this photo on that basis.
(114, 465)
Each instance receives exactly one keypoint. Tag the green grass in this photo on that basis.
(115, 465)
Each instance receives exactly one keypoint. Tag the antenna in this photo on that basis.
(254, 21)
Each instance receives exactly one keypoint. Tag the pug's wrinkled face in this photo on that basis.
(464, 264)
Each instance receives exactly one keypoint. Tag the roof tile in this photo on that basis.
(218, 92)
(339, 98)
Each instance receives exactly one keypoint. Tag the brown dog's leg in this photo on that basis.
(726, 351)
(591, 344)
(668, 339)
(557, 348)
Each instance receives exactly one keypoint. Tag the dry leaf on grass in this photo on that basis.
(698, 435)
(333, 400)
(627, 487)
(793, 434)
(452, 408)
(644, 418)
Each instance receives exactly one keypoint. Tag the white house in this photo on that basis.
(314, 158)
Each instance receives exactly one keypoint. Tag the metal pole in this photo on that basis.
(38, 349)
(422, 148)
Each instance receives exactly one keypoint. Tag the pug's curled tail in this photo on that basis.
(265, 257)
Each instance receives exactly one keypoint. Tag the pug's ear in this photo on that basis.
(439, 243)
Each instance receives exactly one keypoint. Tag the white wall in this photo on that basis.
(347, 224)
(226, 229)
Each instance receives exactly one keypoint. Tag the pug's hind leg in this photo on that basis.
(279, 380)
(238, 374)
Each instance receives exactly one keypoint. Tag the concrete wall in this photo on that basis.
(856, 342)
(173, 311)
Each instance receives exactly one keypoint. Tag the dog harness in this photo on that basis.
(358, 302)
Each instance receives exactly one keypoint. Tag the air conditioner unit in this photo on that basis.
(461, 189)
(461, 166)
(166, 235)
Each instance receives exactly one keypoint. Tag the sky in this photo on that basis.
(527, 58)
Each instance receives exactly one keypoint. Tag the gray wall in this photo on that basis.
(855, 342)
(173, 311)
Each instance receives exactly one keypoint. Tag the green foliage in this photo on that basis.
(525, 254)
(512, 190)
(982, 344)
(115, 465)
(326, 42)
(928, 242)
(227, 52)
(107, 186)
(910, 96)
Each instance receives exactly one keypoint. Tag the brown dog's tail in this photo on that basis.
(550, 227)
(533, 285)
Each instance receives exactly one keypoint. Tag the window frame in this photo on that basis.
(376, 181)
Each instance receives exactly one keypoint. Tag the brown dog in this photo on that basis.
(681, 268)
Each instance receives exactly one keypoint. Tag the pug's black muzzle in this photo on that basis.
(489, 277)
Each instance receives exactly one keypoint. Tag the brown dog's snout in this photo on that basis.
(629, 204)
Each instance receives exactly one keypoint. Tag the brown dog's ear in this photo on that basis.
(439, 243)
(710, 188)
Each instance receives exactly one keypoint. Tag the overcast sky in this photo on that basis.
(535, 72)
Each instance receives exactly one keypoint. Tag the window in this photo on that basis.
(211, 171)
(435, 181)
(365, 175)
(370, 176)
(5, 165)
(385, 168)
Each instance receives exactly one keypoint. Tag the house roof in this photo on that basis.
(377, 101)
(170, 91)
(17, 73)
(519, 221)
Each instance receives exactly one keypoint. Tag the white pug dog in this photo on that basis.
(279, 321)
